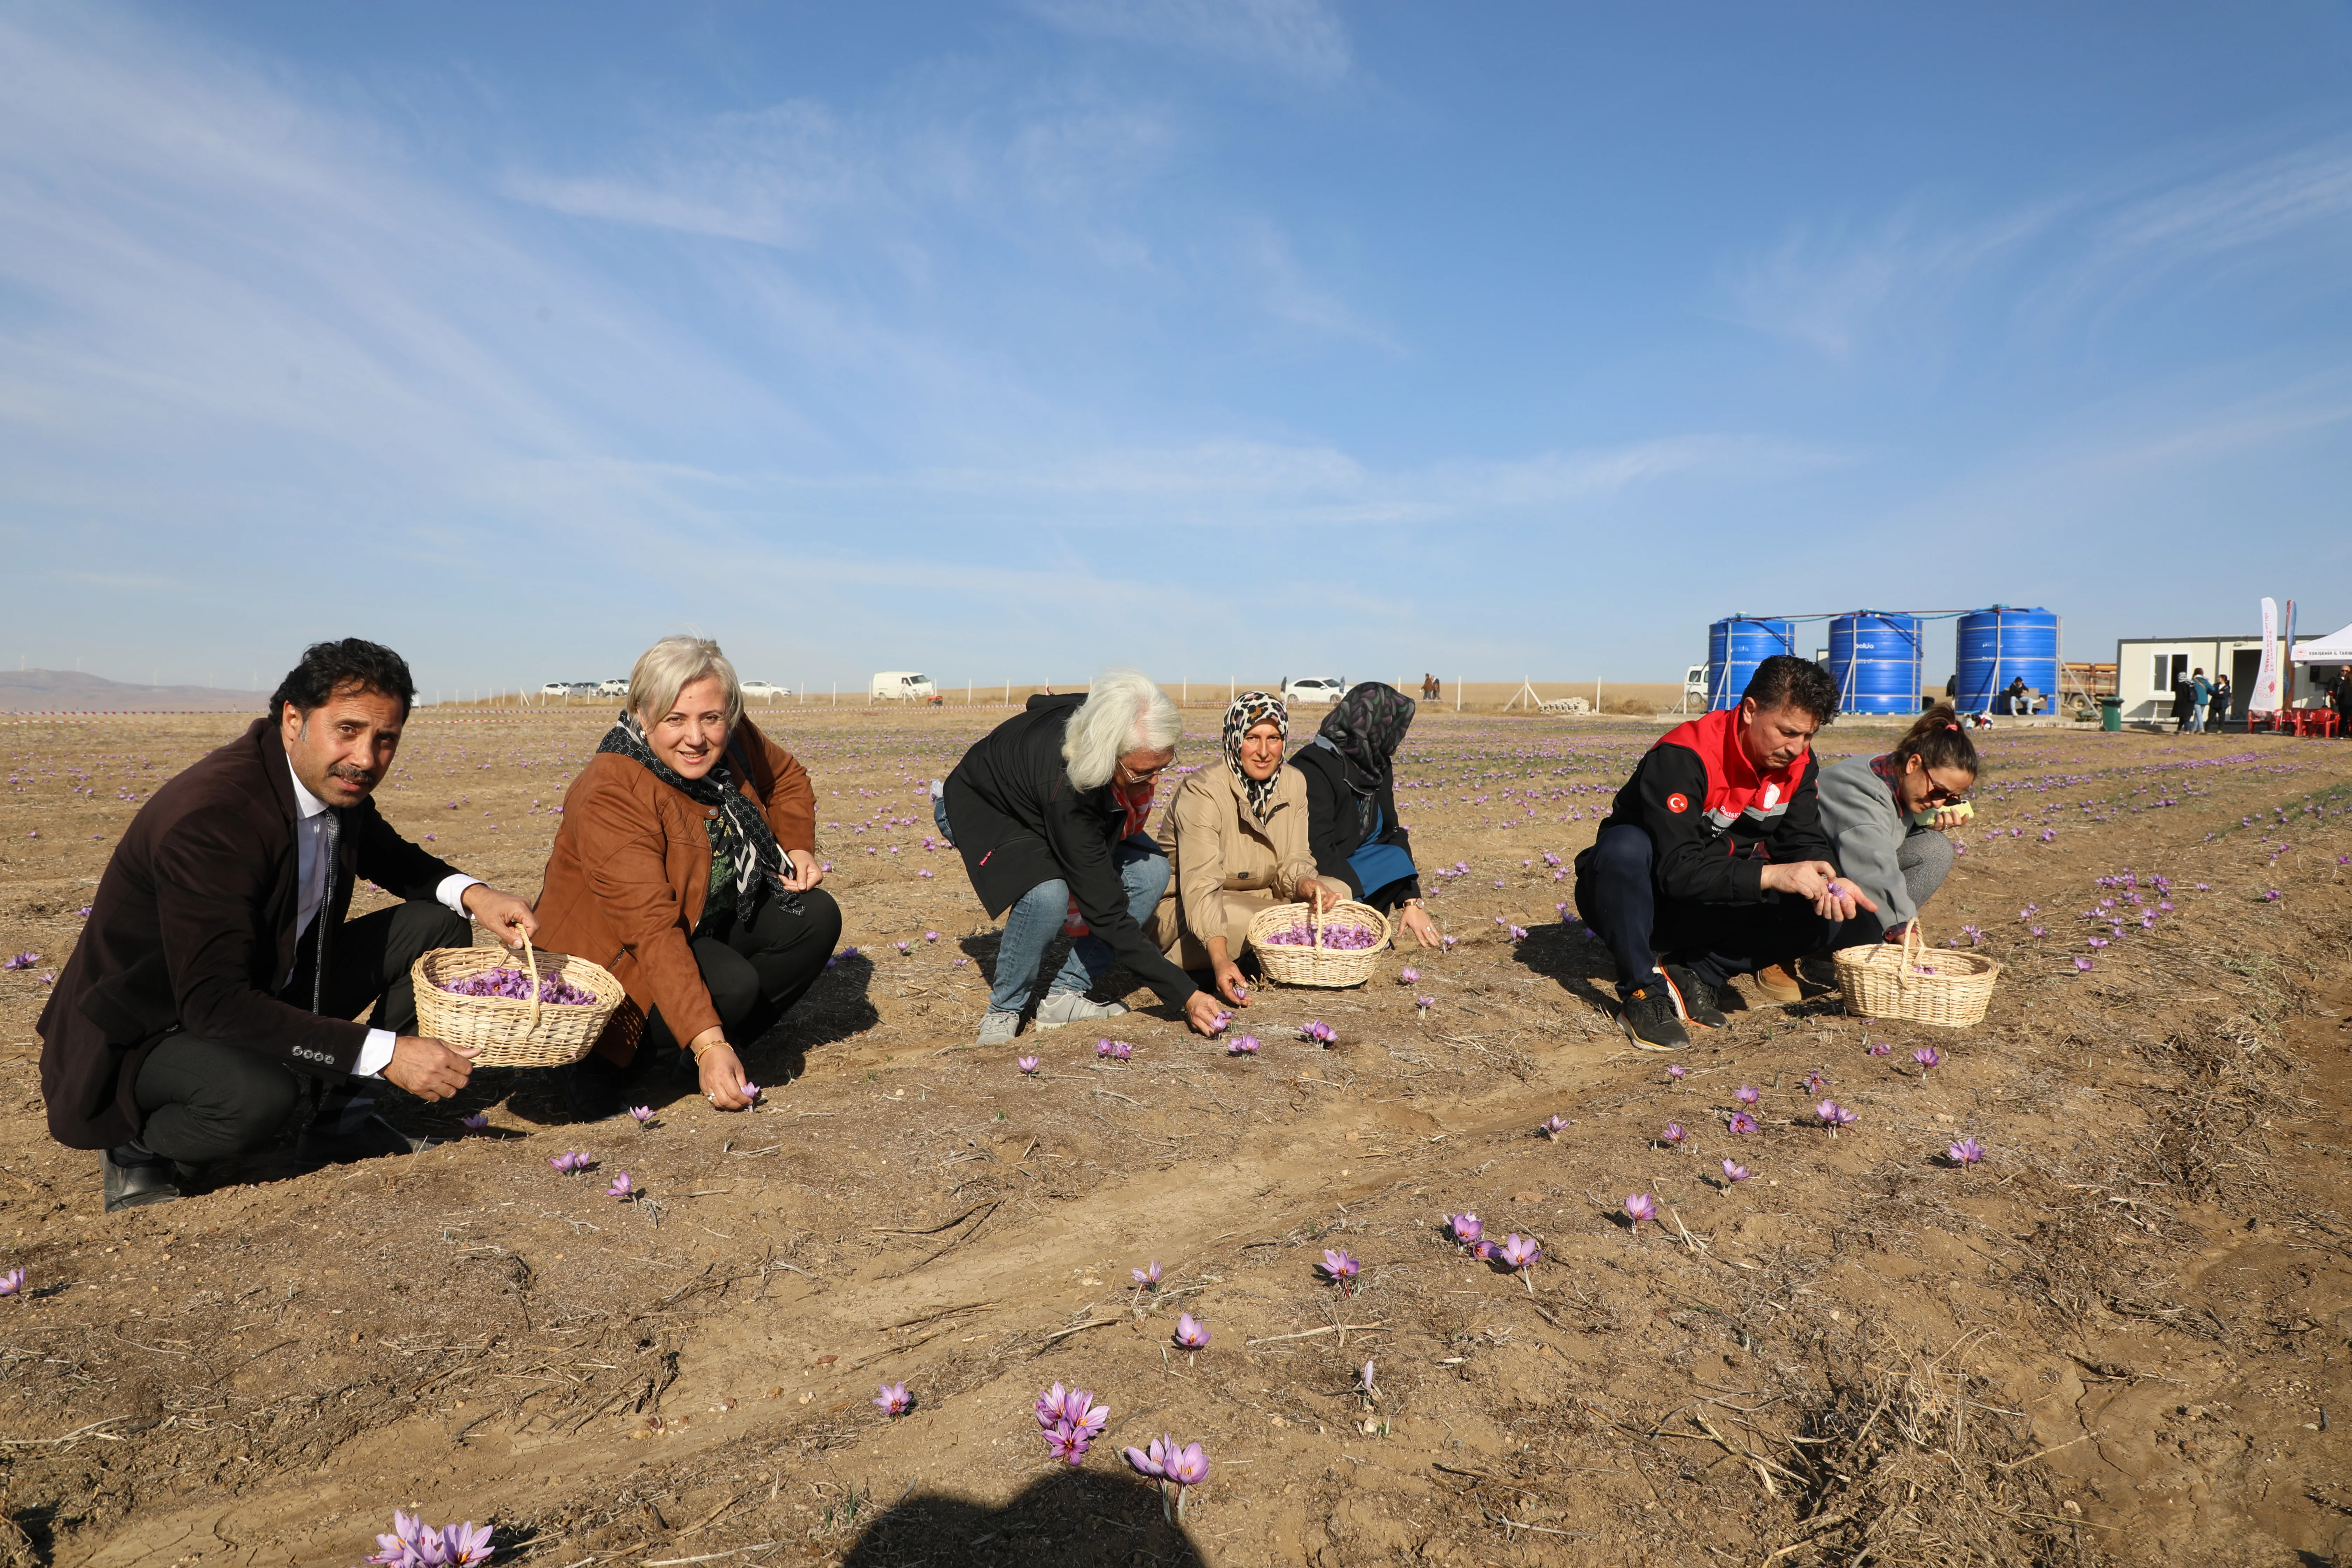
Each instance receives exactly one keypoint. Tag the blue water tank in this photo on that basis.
(1735, 647)
(1999, 645)
(1874, 658)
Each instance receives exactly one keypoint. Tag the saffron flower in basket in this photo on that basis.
(1317, 1033)
(1241, 1046)
(1834, 1116)
(893, 1400)
(1340, 1270)
(13, 1282)
(1345, 937)
(1965, 1153)
(1641, 1206)
(1072, 1421)
(1191, 1332)
(515, 986)
(571, 1161)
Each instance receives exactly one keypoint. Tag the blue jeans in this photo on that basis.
(1035, 920)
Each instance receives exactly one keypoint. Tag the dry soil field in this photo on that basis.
(2123, 1337)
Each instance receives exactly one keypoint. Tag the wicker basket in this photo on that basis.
(1315, 964)
(1915, 983)
(513, 1034)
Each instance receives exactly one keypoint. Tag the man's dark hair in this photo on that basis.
(328, 668)
(1784, 680)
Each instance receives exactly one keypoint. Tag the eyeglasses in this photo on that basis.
(1146, 776)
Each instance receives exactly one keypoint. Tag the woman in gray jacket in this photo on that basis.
(1884, 815)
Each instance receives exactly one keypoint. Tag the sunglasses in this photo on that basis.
(1938, 795)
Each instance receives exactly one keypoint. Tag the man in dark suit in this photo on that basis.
(215, 972)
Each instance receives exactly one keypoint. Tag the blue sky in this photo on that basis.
(1219, 336)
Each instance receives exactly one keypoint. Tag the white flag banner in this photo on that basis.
(2265, 697)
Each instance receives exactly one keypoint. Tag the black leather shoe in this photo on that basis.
(137, 1178)
(317, 1146)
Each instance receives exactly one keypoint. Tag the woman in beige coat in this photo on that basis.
(1236, 842)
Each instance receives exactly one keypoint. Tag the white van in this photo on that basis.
(902, 686)
(763, 691)
(1313, 688)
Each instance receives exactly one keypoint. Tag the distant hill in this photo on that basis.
(71, 692)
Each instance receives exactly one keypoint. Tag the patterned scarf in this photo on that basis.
(1249, 709)
(743, 833)
(1366, 727)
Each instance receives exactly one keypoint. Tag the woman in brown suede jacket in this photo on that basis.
(687, 865)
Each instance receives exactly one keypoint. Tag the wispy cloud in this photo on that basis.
(1302, 40)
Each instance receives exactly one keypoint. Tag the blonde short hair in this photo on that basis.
(672, 665)
(1123, 712)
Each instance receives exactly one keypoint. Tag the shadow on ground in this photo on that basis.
(1074, 1519)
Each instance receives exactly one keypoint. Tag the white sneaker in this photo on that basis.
(1063, 1007)
(998, 1028)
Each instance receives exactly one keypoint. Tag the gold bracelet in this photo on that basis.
(702, 1051)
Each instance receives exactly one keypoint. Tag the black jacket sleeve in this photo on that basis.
(1081, 848)
(392, 862)
(1799, 836)
(1690, 864)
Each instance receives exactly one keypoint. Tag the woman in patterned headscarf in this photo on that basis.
(1236, 838)
(1351, 812)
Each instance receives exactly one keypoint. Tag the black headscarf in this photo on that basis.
(1365, 728)
(743, 833)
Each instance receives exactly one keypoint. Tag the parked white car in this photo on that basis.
(556, 689)
(1313, 688)
(762, 691)
(902, 686)
(611, 689)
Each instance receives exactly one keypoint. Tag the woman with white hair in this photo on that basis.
(1048, 812)
(687, 865)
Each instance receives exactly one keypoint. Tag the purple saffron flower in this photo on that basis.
(1966, 1152)
(1735, 1171)
(1190, 1333)
(1880, 1048)
(1746, 1095)
(13, 1282)
(1465, 1227)
(930, 936)
(1241, 1046)
(1639, 1207)
(1553, 1126)
(2082, 965)
(642, 1114)
(462, 1545)
(1148, 1276)
(1928, 1057)
(1154, 1463)
(1673, 1134)
(621, 1188)
(892, 1399)
(752, 1093)
(2096, 943)
(1447, 942)
(476, 1122)
(1678, 1072)
(1028, 1065)
(1340, 1270)
(20, 961)
(2271, 896)
(1407, 976)
(572, 1161)
(1317, 1033)
(1741, 1125)
(1424, 1004)
(1364, 1385)
(1834, 1116)
(1187, 1466)
(1815, 1083)
(1520, 1251)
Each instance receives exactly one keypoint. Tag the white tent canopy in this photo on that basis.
(2336, 648)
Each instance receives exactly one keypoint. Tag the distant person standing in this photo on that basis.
(2184, 705)
(2221, 704)
(1429, 688)
(2200, 693)
(2339, 696)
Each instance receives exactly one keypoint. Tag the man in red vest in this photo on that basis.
(1714, 857)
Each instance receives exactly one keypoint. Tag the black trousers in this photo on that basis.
(202, 1099)
(1618, 897)
(756, 969)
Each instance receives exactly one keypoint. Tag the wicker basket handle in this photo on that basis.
(1315, 919)
(1913, 944)
(530, 967)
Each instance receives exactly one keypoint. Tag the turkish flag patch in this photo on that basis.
(1677, 804)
